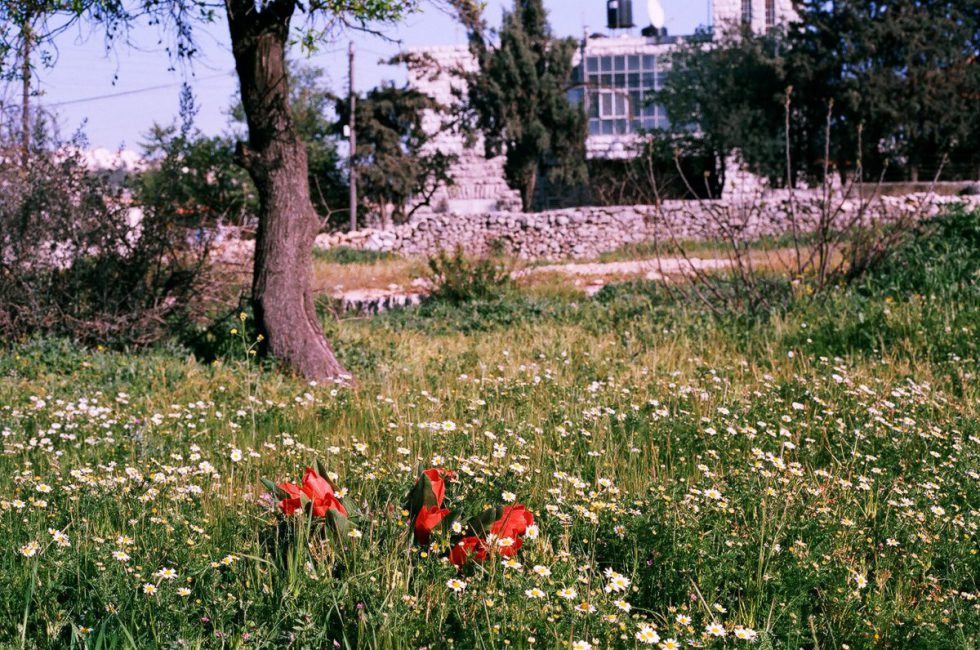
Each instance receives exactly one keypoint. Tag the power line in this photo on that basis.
(132, 92)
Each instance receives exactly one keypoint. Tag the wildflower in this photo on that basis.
(860, 580)
(745, 633)
(581, 645)
(149, 588)
(122, 556)
(647, 635)
(715, 629)
(509, 497)
(568, 593)
(623, 605)
(542, 571)
(426, 521)
(59, 538)
(317, 491)
(236, 455)
(534, 593)
(670, 644)
(683, 619)
(465, 548)
(30, 549)
(456, 585)
(617, 582)
(183, 592)
(166, 574)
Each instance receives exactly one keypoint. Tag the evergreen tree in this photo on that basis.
(519, 97)
(394, 164)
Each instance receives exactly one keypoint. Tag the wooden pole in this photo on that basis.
(352, 142)
(25, 116)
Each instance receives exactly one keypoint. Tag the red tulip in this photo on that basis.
(465, 548)
(321, 494)
(426, 521)
(435, 476)
(293, 502)
(513, 522)
(317, 490)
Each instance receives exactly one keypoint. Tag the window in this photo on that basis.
(619, 93)
(746, 12)
(770, 14)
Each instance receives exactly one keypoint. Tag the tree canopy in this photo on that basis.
(519, 96)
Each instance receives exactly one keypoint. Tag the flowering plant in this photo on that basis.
(316, 496)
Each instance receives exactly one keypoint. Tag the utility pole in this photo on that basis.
(25, 116)
(352, 142)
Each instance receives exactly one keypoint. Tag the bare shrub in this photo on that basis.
(78, 259)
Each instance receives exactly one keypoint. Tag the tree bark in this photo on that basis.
(275, 158)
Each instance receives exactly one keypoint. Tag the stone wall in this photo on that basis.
(589, 231)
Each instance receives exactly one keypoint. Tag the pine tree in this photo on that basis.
(519, 97)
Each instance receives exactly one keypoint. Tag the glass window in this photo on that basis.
(649, 62)
(606, 63)
(633, 62)
(607, 127)
(633, 79)
(619, 80)
(594, 127)
(607, 104)
(606, 80)
(770, 13)
(593, 64)
(746, 12)
(620, 64)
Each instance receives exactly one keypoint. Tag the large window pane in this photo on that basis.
(606, 63)
(593, 64)
(633, 62)
(649, 62)
(620, 64)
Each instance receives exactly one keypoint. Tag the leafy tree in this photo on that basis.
(394, 164)
(274, 155)
(520, 102)
(897, 82)
(193, 176)
(732, 93)
(903, 77)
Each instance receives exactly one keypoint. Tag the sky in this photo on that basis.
(115, 95)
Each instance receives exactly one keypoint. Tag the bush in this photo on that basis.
(348, 255)
(77, 260)
(457, 279)
(938, 256)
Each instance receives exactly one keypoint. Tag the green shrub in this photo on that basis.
(458, 279)
(348, 255)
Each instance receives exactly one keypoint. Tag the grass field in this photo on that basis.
(802, 479)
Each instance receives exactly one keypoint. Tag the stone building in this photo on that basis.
(613, 75)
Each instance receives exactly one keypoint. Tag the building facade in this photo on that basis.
(613, 79)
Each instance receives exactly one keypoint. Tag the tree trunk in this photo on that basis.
(275, 158)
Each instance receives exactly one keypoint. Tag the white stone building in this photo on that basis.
(613, 76)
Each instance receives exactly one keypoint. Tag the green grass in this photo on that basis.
(348, 255)
(753, 473)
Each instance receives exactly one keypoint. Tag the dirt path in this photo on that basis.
(590, 277)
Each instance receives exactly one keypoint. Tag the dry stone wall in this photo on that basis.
(579, 233)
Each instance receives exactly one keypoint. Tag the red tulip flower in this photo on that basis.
(437, 478)
(317, 490)
(426, 521)
(466, 547)
(512, 523)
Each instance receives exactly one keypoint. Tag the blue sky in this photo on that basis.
(142, 88)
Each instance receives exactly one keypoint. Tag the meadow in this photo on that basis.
(804, 478)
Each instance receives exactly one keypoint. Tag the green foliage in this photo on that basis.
(941, 256)
(457, 279)
(394, 167)
(192, 175)
(813, 497)
(519, 98)
(348, 255)
(733, 91)
(897, 79)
